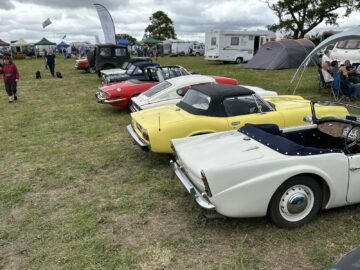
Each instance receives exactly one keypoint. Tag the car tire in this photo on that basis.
(197, 54)
(239, 60)
(296, 202)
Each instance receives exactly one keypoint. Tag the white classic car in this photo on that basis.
(171, 91)
(288, 174)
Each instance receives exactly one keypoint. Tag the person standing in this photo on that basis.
(50, 61)
(11, 77)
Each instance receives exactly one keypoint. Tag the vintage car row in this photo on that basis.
(213, 108)
(120, 94)
(303, 169)
(171, 91)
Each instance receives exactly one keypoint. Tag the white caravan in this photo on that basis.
(180, 47)
(346, 50)
(234, 45)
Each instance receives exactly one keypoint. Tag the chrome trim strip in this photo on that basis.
(136, 138)
(105, 101)
(200, 199)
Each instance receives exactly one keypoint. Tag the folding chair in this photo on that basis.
(340, 90)
(323, 86)
(336, 86)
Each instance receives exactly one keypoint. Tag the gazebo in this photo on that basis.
(43, 45)
(150, 41)
(3, 43)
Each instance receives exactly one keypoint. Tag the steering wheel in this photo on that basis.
(352, 138)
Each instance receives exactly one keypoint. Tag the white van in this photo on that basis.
(234, 45)
(346, 50)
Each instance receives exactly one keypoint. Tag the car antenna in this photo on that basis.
(159, 123)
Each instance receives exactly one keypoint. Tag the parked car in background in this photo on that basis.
(173, 90)
(346, 50)
(287, 174)
(83, 64)
(197, 49)
(107, 56)
(213, 108)
(120, 93)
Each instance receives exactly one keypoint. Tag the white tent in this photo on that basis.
(20, 45)
(346, 35)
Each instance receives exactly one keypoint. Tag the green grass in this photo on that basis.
(76, 193)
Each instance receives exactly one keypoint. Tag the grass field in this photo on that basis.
(76, 193)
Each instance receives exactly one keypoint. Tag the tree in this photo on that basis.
(129, 38)
(161, 26)
(298, 17)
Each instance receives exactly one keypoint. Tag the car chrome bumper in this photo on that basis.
(144, 146)
(200, 198)
(103, 100)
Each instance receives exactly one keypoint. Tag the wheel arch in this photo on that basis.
(320, 180)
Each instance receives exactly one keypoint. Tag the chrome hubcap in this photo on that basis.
(296, 203)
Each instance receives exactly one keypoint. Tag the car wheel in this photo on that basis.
(295, 202)
(238, 60)
(90, 70)
(197, 54)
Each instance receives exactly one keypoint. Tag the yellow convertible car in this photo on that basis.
(215, 107)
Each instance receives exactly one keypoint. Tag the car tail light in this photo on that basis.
(206, 184)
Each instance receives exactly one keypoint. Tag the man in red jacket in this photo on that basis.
(11, 76)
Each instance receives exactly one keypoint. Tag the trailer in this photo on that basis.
(236, 46)
(180, 47)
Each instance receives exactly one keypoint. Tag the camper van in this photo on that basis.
(197, 49)
(234, 45)
(346, 50)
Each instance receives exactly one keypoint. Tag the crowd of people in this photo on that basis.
(349, 75)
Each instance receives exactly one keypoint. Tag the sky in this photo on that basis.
(78, 19)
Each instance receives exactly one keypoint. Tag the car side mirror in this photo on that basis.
(307, 119)
(181, 92)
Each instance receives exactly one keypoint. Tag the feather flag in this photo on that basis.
(107, 23)
(46, 22)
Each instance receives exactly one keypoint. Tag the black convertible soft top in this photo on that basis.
(217, 93)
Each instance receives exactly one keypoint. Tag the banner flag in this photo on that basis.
(107, 23)
(46, 22)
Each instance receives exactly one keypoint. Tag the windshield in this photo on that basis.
(157, 88)
(130, 69)
(331, 109)
(197, 100)
(124, 65)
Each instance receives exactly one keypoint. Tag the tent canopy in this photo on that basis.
(123, 41)
(3, 43)
(287, 53)
(349, 34)
(19, 43)
(62, 45)
(150, 41)
(44, 41)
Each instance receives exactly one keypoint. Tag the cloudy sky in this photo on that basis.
(78, 19)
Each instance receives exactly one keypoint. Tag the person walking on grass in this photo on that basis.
(50, 61)
(11, 77)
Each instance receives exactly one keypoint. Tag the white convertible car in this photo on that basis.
(171, 91)
(288, 175)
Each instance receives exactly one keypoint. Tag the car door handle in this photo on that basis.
(235, 123)
(354, 169)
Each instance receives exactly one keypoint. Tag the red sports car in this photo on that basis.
(82, 64)
(120, 93)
